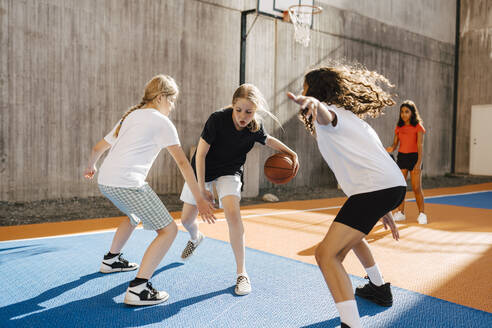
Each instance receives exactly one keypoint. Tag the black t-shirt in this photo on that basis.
(228, 146)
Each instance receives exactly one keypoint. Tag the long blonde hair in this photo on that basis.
(354, 88)
(159, 84)
(250, 92)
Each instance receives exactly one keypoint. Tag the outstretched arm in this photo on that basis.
(276, 144)
(204, 207)
(96, 153)
(314, 108)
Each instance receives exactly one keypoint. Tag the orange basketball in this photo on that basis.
(279, 168)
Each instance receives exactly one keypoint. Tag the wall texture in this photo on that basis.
(435, 19)
(475, 71)
(69, 69)
(421, 68)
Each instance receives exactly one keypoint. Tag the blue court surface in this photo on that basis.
(475, 200)
(54, 282)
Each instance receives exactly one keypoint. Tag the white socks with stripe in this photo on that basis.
(349, 313)
(375, 275)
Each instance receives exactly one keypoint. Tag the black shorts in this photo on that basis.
(363, 211)
(407, 161)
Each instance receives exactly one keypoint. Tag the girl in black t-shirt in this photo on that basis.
(229, 134)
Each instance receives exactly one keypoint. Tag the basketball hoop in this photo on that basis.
(302, 18)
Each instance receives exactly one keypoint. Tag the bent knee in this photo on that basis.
(187, 221)
(325, 253)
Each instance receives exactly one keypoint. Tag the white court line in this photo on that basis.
(463, 193)
(244, 217)
(179, 224)
(220, 314)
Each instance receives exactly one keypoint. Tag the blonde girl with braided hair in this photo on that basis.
(133, 145)
(331, 106)
(227, 137)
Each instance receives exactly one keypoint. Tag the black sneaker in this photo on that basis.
(344, 325)
(144, 294)
(116, 264)
(380, 295)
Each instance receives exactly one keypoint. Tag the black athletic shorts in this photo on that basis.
(407, 161)
(363, 211)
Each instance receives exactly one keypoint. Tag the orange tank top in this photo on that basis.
(408, 137)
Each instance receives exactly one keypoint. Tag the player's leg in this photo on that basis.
(229, 192)
(189, 215)
(329, 256)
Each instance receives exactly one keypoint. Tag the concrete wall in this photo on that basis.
(421, 67)
(475, 71)
(435, 19)
(69, 69)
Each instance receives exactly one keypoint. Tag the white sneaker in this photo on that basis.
(243, 286)
(399, 216)
(422, 219)
(116, 264)
(144, 294)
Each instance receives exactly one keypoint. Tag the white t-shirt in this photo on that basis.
(355, 154)
(143, 134)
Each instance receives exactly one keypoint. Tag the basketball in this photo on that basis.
(279, 168)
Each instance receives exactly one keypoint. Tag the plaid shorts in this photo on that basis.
(140, 204)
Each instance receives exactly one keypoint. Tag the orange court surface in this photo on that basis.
(449, 258)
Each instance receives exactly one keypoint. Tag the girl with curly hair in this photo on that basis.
(331, 106)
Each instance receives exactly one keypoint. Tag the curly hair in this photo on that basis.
(354, 88)
(414, 118)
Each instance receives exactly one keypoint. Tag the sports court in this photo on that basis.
(440, 272)
(72, 70)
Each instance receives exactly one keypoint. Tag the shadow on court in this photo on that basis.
(366, 309)
(95, 311)
(24, 252)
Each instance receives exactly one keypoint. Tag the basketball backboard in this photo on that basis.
(276, 8)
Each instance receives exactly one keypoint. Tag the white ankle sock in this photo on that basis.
(375, 275)
(349, 313)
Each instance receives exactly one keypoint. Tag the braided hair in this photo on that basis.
(158, 85)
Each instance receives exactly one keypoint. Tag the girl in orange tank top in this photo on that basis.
(409, 133)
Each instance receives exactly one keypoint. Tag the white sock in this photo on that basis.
(349, 313)
(375, 275)
(243, 274)
(194, 237)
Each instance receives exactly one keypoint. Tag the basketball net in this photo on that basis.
(302, 17)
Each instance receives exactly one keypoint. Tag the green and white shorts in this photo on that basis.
(140, 204)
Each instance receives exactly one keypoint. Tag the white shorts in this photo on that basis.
(226, 185)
